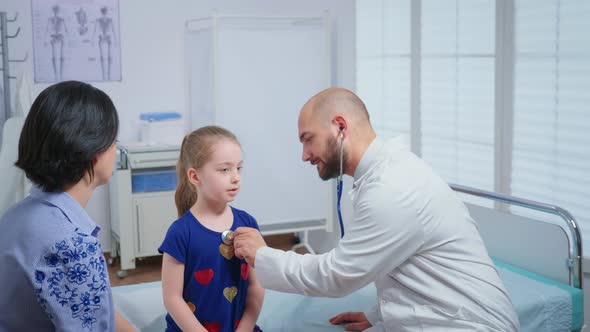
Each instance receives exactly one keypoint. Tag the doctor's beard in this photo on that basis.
(331, 167)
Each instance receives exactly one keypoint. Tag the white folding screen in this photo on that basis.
(252, 75)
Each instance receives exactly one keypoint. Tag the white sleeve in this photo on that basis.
(374, 315)
(384, 233)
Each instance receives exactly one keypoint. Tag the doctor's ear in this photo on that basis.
(341, 123)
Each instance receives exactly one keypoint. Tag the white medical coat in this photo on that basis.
(414, 238)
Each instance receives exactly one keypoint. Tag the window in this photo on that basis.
(457, 90)
(494, 95)
(383, 63)
(551, 144)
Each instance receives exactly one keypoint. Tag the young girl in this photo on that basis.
(205, 286)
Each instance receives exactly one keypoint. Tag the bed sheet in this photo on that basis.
(541, 305)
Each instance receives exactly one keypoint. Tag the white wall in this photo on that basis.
(586, 284)
(152, 54)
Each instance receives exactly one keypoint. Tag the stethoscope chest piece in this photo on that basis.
(227, 237)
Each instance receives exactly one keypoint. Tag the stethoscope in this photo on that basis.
(339, 183)
(227, 235)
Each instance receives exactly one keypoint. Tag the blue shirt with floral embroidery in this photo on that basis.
(52, 269)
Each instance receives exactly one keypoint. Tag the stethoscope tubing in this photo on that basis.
(339, 185)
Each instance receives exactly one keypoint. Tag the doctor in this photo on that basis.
(410, 234)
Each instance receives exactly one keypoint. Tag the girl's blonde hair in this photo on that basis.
(195, 151)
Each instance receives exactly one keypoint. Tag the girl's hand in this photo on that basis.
(244, 328)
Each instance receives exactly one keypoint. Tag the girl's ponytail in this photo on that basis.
(186, 195)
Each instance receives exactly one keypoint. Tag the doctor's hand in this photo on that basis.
(354, 321)
(247, 241)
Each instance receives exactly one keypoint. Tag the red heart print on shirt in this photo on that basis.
(212, 326)
(204, 276)
(245, 269)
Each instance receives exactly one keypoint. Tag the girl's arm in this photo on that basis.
(172, 285)
(123, 325)
(253, 304)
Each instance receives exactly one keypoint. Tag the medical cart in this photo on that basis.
(142, 201)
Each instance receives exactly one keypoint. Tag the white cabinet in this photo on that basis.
(153, 213)
(141, 213)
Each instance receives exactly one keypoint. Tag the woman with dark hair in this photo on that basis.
(53, 273)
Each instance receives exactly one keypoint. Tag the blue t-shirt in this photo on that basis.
(215, 280)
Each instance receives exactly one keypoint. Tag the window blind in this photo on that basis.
(546, 69)
(383, 63)
(457, 90)
(551, 148)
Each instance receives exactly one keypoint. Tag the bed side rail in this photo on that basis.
(574, 237)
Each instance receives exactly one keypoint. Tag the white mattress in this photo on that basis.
(540, 306)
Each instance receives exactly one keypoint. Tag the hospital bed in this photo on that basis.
(538, 261)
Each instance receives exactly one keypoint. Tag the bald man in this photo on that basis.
(410, 235)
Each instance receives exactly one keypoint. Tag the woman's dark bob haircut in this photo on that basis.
(68, 125)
